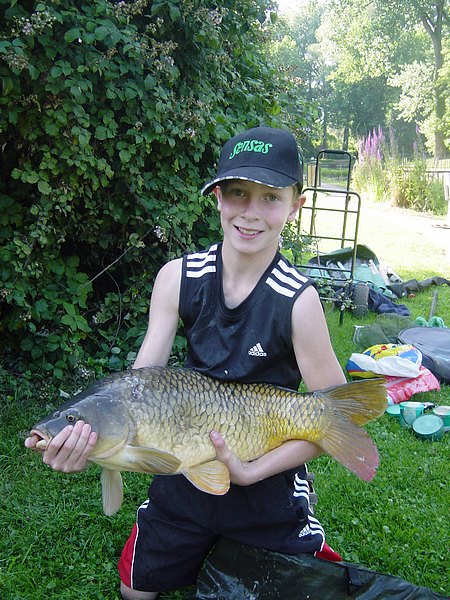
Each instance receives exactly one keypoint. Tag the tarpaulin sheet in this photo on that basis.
(234, 571)
(434, 344)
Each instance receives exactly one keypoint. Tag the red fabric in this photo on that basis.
(127, 557)
(328, 553)
(400, 389)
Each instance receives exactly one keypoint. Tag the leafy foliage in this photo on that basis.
(295, 52)
(387, 39)
(381, 173)
(380, 63)
(112, 115)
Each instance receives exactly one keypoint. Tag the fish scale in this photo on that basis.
(158, 420)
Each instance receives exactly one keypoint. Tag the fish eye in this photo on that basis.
(72, 416)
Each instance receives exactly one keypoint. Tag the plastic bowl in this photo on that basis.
(444, 413)
(409, 411)
(429, 427)
(394, 411)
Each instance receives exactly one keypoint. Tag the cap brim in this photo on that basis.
(263, 176)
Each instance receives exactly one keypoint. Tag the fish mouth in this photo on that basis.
(43, 441)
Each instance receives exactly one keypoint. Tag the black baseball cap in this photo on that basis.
(262, 154)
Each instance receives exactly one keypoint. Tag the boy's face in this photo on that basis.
(253, 215)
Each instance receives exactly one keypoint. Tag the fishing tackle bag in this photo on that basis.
(434, 344)
(234, 571)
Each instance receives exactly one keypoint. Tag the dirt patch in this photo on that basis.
(405, 239)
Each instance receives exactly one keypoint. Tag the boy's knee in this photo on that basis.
(130, 594)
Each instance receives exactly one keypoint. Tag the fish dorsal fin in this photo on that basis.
(212, 477)
(112, 491)
(358, 401)
(352, 447)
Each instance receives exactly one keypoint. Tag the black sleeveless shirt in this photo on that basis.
(251, 342)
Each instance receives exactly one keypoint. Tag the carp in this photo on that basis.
(158, 420)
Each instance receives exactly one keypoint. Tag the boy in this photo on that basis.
(249, 316)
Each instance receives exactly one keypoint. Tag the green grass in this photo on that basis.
(398, 523)
(56, 542)
(411, 243)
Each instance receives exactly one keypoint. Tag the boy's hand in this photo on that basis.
(238, 469)
(69, 450)
(289, 455)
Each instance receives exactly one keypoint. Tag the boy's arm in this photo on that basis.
(163, 318)
(70, 449)
(315, 355)
(319, 368)
(289, 455)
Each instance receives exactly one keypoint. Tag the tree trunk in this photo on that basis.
(434, 30)
(440, 148)
(324, 131)
(345, 140)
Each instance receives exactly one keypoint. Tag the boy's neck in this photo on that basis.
(241, 273)
(242, 263)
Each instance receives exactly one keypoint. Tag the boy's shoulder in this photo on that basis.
(170, 273)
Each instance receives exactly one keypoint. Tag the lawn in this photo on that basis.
(399, 523)
(56, 542)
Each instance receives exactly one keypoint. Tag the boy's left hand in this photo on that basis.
(238, 469)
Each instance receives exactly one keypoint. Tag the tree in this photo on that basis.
(433, 16)
(295, 52)
(387, 43)
(443, 82)
(112, 114)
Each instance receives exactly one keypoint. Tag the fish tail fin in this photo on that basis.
(112, 491)
(359, 401)
(351, 406)
(352, 447)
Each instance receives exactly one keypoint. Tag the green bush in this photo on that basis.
(111, 118)
(382, 173)
(413, 189)
(369, 173)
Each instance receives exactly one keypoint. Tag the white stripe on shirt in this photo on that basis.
(280, 289)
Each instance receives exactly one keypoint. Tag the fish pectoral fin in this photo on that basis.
(352, 447)
(140, 459)
(212, 477)
(112, 491)
(109, 452)
(151, 460)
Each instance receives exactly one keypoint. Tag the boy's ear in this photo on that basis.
(296, 206)
(218, 194)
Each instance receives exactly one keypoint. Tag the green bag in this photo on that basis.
(234, 571)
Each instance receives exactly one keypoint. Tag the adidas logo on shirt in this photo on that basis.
(257, 351)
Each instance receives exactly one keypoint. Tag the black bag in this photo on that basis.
(434, 343)
(234, 571)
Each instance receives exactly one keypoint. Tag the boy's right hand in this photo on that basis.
(69, 450)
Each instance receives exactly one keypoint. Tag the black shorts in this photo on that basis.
(176, 528)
